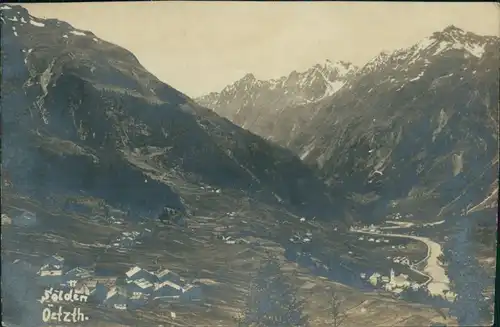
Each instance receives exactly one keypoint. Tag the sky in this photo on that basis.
(200, 47)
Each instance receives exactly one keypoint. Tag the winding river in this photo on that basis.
(438, 281)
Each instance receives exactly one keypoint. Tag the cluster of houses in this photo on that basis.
(397, 216)
(301, 239)
(372, 228)
(53, 272)
(210, 189)
(129, 239)
(391, 283)
(401, 260)
(139, 286)
(372, 239)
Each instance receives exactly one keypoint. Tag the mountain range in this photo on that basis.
(280, 167)
(412, 126)
(255, 104)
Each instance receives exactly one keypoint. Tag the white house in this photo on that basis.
(168, 290)
(137, 273)
(167, 274)
(139, 286)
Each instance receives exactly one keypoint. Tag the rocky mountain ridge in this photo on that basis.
(417, 123)
(252, 103)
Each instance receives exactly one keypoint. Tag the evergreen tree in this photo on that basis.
(337, 315)
(272, 301)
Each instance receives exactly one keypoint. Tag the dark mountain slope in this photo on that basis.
(415, 130)
(82, 115)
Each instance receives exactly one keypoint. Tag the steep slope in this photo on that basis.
(416, 129)
(256, 105)
(82, 115)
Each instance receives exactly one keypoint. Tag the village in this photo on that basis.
(397, 284)
(136, 288)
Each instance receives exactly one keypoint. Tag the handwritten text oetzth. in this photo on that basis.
(57, 313)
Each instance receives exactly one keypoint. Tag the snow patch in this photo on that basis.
(14, 19)
(37, 24)
(65, 36)
(23, 20)
(475, 50)
(308, 150)
(77, 33)
(441, 47)
(6, 7)
(417, 77)
(424, 44)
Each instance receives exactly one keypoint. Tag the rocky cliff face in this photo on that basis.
(82, 115)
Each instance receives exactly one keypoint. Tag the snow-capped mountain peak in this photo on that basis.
(450, 38)
(319, 81)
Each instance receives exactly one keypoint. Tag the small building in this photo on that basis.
(139, 286)
(82, 288)
(385, 279)
(167, 274)
(450, 296)
(191, 293)
(6, 220)
(374, 279)
(120, 306)
(137, 273)
(168, 289)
